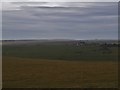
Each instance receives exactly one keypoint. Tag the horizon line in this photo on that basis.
(57, 39)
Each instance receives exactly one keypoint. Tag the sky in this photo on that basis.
(60, 20)
(60, 0)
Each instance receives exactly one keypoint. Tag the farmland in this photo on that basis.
(59, 64)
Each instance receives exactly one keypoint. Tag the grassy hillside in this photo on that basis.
(39, 73)
(61, 52)
(56, 65)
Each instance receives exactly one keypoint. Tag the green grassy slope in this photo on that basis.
(61, 52)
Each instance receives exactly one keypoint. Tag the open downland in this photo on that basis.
(40, 73)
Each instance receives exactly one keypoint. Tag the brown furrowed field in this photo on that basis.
(38, 73)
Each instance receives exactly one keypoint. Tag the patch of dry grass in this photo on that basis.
(37, 73)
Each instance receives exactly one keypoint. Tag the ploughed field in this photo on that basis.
(55, 65)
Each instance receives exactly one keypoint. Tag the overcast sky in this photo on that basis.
(60, 20)
(60, 0)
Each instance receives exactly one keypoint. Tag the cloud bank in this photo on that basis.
(65, 20)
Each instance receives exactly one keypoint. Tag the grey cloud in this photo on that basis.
(93, 21)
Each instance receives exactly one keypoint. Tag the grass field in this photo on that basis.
(61, 65)
(61, 52)
(19, 72)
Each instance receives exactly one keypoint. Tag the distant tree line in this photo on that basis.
(110, 45)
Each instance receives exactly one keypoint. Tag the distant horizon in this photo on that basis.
(59, 39)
